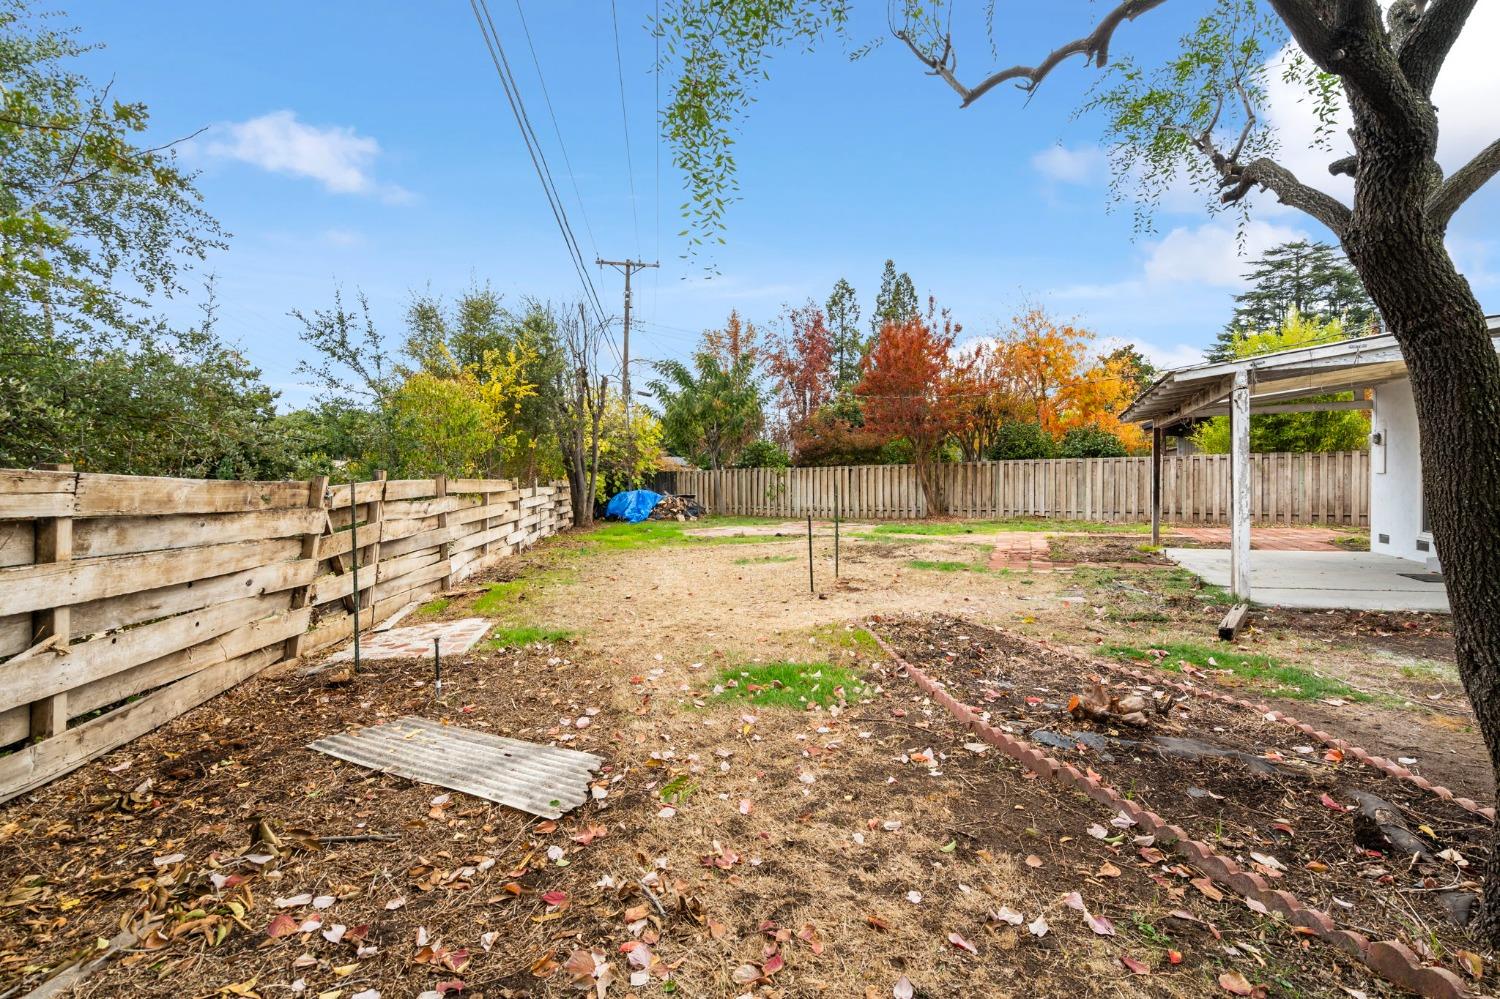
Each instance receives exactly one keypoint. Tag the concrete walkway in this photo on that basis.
(1322, 580)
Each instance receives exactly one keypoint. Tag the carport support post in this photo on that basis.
(1157, 440)
(1239, 508)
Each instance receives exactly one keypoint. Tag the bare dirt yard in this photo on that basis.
(782, 811)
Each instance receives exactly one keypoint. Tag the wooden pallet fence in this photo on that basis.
(1321, 488)
(127, 600)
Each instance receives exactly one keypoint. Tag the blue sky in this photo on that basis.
(367, 146)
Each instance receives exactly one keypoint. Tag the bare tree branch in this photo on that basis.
(1424, 49)
(1094, 47)
(1270, 175)
(1467, 179)
(1237, 179)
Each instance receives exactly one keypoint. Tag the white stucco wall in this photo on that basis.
(1396, 476)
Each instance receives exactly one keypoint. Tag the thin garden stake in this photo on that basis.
(835, 526)
(354, 556)
(437, 668)
(810, 587)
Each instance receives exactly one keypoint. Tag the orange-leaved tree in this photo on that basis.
(907, 391)
(1096, 397)
(1044, 356)
(984, 393)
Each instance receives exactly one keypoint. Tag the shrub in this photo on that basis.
(1090, 442)
(763, 454)
(1021, 439)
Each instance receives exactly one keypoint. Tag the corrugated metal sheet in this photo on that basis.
(542, 780)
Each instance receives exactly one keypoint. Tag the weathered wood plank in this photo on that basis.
(269, 633)
(405, 489)
(55, 672)
(147, 605)
(127, 495)
(431, 507)
(36, 587)
(20, 481)
(100, 536)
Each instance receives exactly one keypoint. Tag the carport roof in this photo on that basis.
(1280, 377)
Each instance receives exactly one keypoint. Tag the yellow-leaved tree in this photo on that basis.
(462, 421)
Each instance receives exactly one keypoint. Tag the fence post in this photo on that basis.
(445, 550)
(53, 543)
(376, 522)
(317, 498)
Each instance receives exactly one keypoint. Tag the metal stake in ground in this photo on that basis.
(835, 526)
(437, 668)
(810, 587)
(354, 562)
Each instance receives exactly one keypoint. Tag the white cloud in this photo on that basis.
(1069, 166)
(1466, 118)
(1212, 253)
(336, 156)
(343, 237)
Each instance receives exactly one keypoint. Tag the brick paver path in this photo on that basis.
(1030, 549)
(1271, 539)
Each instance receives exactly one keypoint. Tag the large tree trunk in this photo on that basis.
(1455, 376)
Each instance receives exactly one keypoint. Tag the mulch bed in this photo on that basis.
(1245, 786)
(1093, 549)
(170, 831)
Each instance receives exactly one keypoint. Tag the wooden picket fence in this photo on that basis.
(1321, 488)
(127, 600)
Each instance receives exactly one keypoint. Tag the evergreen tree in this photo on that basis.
(896, 303)
(1312, 278)
(848, 345)
(1133, 365)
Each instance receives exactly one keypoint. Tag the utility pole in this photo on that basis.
(626, 267)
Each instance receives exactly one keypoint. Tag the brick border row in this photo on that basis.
(1389, 767)
(1390, 959)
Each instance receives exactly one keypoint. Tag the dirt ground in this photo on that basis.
(730, 848)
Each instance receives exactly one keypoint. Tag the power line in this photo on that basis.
(656, 145)
(556, 130)
(625, 121)
(538, 158)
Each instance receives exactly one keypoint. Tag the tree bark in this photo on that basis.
(1397, 246)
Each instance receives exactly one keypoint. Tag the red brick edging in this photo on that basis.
(1388, 767)
(1389, 959)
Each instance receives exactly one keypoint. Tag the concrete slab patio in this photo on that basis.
(1323, 580)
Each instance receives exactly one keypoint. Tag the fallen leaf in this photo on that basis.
(1038, 926)
(1472, 963)
(282, 926)
(903, 989)
(1006, 914)
(1233, 981)
(1108, 870)
(958, 941)
(1136, 967)
(1032, 860)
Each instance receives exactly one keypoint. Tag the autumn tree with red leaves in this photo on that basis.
(802, 366)
(908, 390)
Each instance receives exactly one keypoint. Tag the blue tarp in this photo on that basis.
(633, 506)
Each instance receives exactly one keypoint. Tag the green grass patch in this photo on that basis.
(788, 685)
(499, 596)
(938, 565)
(766, 559)
(434, 606)
(843, 636)
(1275, 677)
(527, 634)
(947, 528)
(614, 536)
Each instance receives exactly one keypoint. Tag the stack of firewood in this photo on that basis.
(677, 508)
